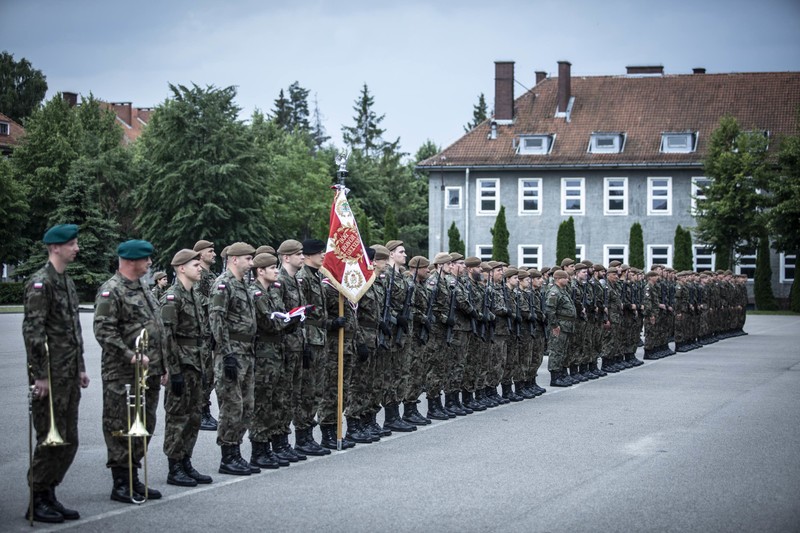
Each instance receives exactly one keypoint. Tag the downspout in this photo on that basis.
(466, 212)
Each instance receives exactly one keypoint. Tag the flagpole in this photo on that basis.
(341, 380)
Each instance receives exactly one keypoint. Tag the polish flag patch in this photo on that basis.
(221, 286)
(277, 284)
(170, 297)
(258, 293)
(105, 294)
(38, 285)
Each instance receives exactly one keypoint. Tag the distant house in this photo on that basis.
(10, 134)
(606, 150)
(132, 119)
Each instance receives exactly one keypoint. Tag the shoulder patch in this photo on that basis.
(170, 297)
(299, 279)
(105, 294)
(38, 285)
(277, 284)
(257, 294)
(221, 287)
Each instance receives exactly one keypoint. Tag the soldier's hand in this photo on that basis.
(475, 314)
(362, 350)
(308, 356)
(40, 388)
(556, 331)
(84, 377)
(450, 322)
(652, 319)
(145, 360)
(385, 329)
(177, 384)
(402, 323)
(230, 367)
(338, 323)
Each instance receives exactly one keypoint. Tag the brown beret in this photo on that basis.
(533, 273)
(158, 275)
(201, 245)
(523, 274)
(623, 267)
(560, 274)
(442, 258)
(510, 272)
(615, 263)
(381, 252)
(652, 274)
(544, 270)
(418, 262)
(566, 262)
(587, 263)
(580, 266)
(391, 245)
(224, 252)
(265, 249)
(485, 267)
(472, 261)
(264, 260)
(599, 268)
(290, 247)
(183, 257)
(239, 249)
(494, 264)
(455, 256)
(612, 270)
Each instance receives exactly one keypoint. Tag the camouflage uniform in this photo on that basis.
(328, 407)
(611, 336)
(294, 341)
(561, 313)
(418, 362)
(436, 346)
(122, 309)
(309, 282)
(51, 316)
(504, 311)
(202, 290)
(232, 318)
(367, 381)
(652, 300)
(267, 365)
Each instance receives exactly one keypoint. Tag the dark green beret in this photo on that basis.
(60, 234)
(135, 249)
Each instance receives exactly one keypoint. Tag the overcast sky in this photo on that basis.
(425, 62)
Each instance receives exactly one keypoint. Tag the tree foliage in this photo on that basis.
(366, 135)
(454, 242)
(390, 231)
(13, 213)
(565, 240)
(479, 113)
(682, 259)
(500, 237)
(762, 284)
(636, 246)
(22, 87)
(784, 214)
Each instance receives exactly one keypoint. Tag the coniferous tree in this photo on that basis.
(454, 242)
(282, 113)
(636, 246)
(366, 135)
(318, 135)
(298, 108)
(682, 258)
(479, 113)
(762, 284)
(364, 228)
(565, 240)
(390, 231)
(500, 237)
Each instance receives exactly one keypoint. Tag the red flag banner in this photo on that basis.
(346, 263)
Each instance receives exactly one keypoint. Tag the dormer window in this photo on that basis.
(606, 143)
(5, 128)
(678, 142)
(534, 144)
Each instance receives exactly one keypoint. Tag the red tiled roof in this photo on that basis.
(15, 132)
(132, 119)
(641, 107)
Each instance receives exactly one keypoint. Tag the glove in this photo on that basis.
(490, 317)
(450, 322)
(177, 383)
(337, 323)
(363, 352)
(402, 323)
(385, 329)
(474, 314)
(230, 367)
(308, 356)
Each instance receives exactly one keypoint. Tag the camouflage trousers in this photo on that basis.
(577, 343)
(115, 420)
(436, 369)
(525, 358)
(182, 415)
(473, 379)
(329, 399)
(539, 343)
(379, 366)
(593, 336)
(267, 367)
(558, 347)
(235, 397)
(455, 359)
(208, 376)
(498, 360)
(510, 371)
(287, 389)
(361, 382)
(391, 361)
(50, 463)
(628, 333)
(609, 341)
(651, 333)
(416, 355)
(310, 392)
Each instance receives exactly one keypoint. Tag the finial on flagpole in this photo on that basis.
(341, 161)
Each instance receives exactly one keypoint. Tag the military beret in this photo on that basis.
(472, 261)
(442, 258)
(566, 262)
(580, 266)
(623, 267)
(522, 267)
(264, 260)
(599, 268)
(510, 272)
(533, 273)
(523, 274)
(290, 247)
(391, 245)
(313, 246)
(224, 252)
(201, 245)
(612, 270)
(239, 249)
(158, 275)
(615, 263)
(418, 262)
(728, 273)
(587, 263)
(135, 249)
(381, 252)
(265, 249)
(494, 264)
(502, 263)
(560, 274)
(455, 256)
(544, 270)
(683, 274)
(60, 234)
(485, 267)
(181, 258)
(652, 274)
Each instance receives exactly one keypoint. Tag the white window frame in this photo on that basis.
(607, 247)
(788, 260)
(480, 252)
(479, 196)
(564, 197)
(696, 255)
(748, 257)
(651, 257)
(547, 142)
(650, 196)
(447, 191)
(697, 193)
(670, 146)
(521, 189)
(5, 126)
(607, 211)
(616, 147)
(580, 252)
(521, 256)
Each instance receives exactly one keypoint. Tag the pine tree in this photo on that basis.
(366, 135)
(298, 108)
(762, 285)
(318, 135)
(390, 231)
(636, 246)
(479, 113)
(682, 258)
(500, 237)
(282, 113)
(565, 240)
(364, 228)
(454, 242)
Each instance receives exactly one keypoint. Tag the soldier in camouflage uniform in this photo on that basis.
(160, 287)
(652, 312)
(478, 343)
(232, 317)
(184, 319)
(503, 311)
(509, 372)
(124, 306)
(523, 382)
(538, 318)
(51, 318)
(461, 334)
(433, 329)
(202, 289)
(612, 321)
(579, 340)
(561, 316)
(415, 348)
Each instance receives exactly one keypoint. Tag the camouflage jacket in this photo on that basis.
(369, 312)
(652, 299)
(309, 281)
(122, 309)
(269, 330)
(332, 304)
(232, 316)
(291, 296)
(612, 299)
(51, 316)
(184, 319)
(560, 309)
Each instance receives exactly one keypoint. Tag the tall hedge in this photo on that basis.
(500, 237)
(565, 241)
(636, 246)
(455, 244)
(682, 258)
(762, 288)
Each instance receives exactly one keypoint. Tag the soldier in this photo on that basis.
(522, 382)
(203, 290)
(510, 291)
(434, 330)
(232, 317)
(160, 287)
(561, 316)
(418, 268)
(472, 385)
(184, 319)
(51, 319)
(123, 308)
(502, 309)
(460, 335)
(652, 308)
(539, 338)
(612, 321)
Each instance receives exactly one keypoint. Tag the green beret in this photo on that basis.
(60, 234)
(184, 256)
(290, 247)
(264, 260)
(135, 249)
(239, 249)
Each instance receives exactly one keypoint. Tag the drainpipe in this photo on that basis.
(466, 212)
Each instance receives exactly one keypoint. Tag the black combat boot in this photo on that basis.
(487, 399)
(68, 514)
(121, 489)
(597, 370)
(43, 509)
(469, 401)
(285, 454)
(373, 424)
(412, 415)
(357, 433)
(177, 476)
(261, 457)
(230, 463)
(559, 378)
(201, 479)
(457, 399)
(241, 460)
(138, 486)
(576, 375)
(393, 422)
(207, 421)
(634, 361)
(523, 388)
(329, 439)
(607, 366)
(451, 404)
(539, 390)
(305, 443)
(435, 411)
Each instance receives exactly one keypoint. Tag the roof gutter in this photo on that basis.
(462, 168)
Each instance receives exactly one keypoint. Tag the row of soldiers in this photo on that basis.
(264, 335)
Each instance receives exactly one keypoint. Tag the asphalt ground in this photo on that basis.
(702, 441)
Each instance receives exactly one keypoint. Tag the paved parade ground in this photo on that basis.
(701, 441)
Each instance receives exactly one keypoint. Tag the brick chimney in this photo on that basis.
(564, 86)
(540, 76)
(70, 98)
(639, 70)
(504, 90)
(698, 70)
(123, 111)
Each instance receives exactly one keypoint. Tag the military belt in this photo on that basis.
(316, 323)
(566, 318)
(241, 337)
(189, 341)
(269, 338)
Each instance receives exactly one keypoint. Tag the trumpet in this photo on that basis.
(53, 437)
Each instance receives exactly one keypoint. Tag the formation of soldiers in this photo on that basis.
(264, 335)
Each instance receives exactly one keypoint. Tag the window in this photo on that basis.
(615, 252)
(487, 198)
(452, 197)
(659, 254)
(704, 258)
(579, 248)
(573, 196)
(484, 251)
(678, 142)
(788, 263)
(606, 143)
(4, 128)
(530, 194)
(529, 254)
(534, 144)
(746, 264)
(615, 196)
(659, 196)
(698, 191)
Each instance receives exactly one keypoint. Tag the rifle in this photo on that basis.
(517, 316)
(606, 317)
(482, 328)
(406, 312)
(425, 331)
(531, 320)
(543, 306)
(386, 315)
(451, 312)
(671, 296)
(488, 305)
(583, 303)
(505, 299)
(472, 321)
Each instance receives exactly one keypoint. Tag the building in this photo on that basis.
(608, 151)
(10, 134)
(131, 119)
